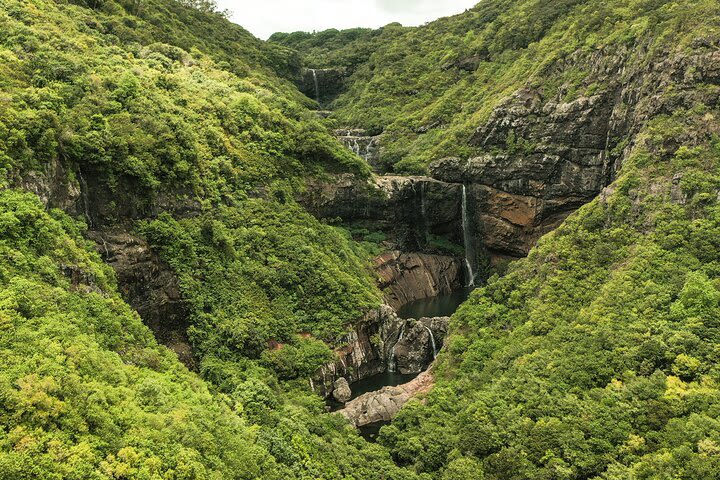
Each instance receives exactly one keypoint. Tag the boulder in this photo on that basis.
(383, 404)
(341, 390)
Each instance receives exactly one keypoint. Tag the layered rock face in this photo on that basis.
(546, 156)
(149, 285)
(418, 344)
(383, 404)
(376, 344)
(362, 144)
(406, 277)
(411, 210)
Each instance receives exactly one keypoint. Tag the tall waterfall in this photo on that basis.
(317, 87)
(467, 239)
(391, 363)
(423, 211)
(432, 341)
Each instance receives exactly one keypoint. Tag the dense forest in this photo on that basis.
(159, 129)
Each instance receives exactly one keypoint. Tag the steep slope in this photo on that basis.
(86, 391)
(595, 357)
(154, 122)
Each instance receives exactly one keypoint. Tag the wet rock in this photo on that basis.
(341, 390)
(383, 404)
(420, 344)
(406, 277)
(323, 84)
(410, 211)
(362, 144)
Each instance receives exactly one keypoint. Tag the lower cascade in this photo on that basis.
(386, 362)
(467, 239)
(432, 342)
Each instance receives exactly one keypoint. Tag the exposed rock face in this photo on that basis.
(55, 187)
(362, 144)
(341, 390)
(376, 343)
(150, 287)
(410, 210)
(546, 155)
(406, 277)
(383, 404)
(419, 344)
(323, 84)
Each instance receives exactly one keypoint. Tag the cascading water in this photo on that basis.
(423, 211)
(467, 239)
(432, 341)
(391, 363)
(317, 87)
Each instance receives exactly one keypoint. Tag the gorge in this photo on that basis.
(488, 244)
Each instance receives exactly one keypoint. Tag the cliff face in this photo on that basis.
(406, 277)
(381, 341)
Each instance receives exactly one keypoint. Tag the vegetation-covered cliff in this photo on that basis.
(161, 140)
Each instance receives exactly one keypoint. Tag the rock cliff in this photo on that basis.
(382, 340)
(383, 404)
(406, 277)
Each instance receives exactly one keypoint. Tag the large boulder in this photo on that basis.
(341, 390)
(383, 404)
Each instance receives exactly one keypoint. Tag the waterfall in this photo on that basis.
(317, 87)
(423, 211)
(467, 239)
(432, 341)
(84, 192)
(312, 385)
(391, 363)
(342, 360)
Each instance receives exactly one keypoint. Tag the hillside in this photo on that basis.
(157, 122)
(193, 267)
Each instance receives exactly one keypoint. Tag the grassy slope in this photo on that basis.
(154, 106)
(430, 109)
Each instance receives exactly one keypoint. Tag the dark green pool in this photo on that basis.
(440, 306)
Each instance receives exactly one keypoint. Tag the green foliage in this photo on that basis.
(263, 272)
(429, 88)
(597, 356)
(85, 391)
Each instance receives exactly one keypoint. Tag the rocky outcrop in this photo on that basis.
(419, 344)
(376, 343)
(549, 151)
(149, 285)
(412, 211)
(323, 84)
(406, 277)
(341, 390)
(383, 404)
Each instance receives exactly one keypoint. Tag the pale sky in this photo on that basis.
(265, 17)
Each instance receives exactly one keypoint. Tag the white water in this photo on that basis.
(317, 87)
(467, 239)
(423, 210)
(391, 363)
(432, 341)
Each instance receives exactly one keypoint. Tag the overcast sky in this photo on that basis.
(265, 17)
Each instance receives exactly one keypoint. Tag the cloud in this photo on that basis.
(265, 17)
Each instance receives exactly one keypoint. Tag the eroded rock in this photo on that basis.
(383, 404)
(341, 390)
